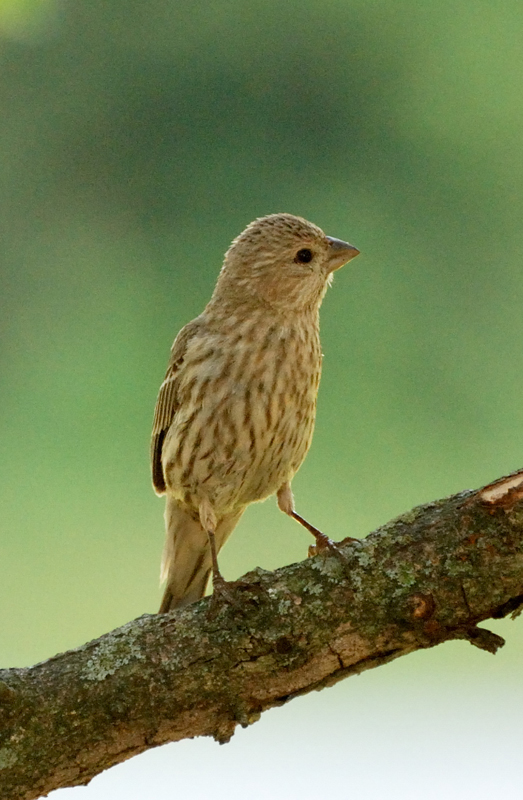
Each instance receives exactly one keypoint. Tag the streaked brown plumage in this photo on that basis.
(235, 414)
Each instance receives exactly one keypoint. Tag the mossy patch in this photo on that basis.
(8, 758)
(111, 654)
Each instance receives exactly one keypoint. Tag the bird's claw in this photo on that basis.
(223, 595)
(325, 546)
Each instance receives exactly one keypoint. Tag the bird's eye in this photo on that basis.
(304, 256)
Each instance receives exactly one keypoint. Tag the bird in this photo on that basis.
(235, 413)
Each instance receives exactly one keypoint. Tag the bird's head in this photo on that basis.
(283, 261)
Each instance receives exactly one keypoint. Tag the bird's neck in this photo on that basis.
(231, 310)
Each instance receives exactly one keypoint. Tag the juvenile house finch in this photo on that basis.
(235, 414)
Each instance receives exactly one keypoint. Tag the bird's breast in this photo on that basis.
(246, 414)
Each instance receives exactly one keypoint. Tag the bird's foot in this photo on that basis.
(223, 596)
(327, 547)
(323, 543)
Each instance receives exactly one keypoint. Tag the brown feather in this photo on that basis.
(167, 403)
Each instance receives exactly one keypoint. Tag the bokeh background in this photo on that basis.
(137, 139)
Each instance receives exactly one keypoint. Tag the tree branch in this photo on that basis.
(429, 576)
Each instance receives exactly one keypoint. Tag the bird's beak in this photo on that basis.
(339, 253)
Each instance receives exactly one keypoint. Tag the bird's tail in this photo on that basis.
(186, 560)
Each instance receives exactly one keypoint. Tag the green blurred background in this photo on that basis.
(137, 139)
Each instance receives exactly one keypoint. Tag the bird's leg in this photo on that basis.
(217, 577)
(323, 542)
(286, 504)
(220, 588)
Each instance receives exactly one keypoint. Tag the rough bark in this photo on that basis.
(429, 576)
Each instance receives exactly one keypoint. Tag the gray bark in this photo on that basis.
(429, 576)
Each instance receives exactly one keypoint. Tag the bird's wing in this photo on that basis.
(167, 402)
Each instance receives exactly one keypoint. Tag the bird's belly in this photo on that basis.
(283, 444)
(241, 446)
